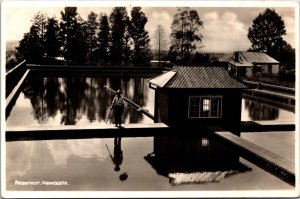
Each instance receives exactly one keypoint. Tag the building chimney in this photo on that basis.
(236, 56)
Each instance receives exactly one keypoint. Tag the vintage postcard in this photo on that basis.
(127, 99)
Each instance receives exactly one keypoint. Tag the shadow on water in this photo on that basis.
(193, 159)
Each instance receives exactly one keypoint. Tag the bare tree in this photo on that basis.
(160, 41)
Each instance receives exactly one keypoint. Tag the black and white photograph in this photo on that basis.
(126, 99)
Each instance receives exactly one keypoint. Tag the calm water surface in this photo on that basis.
(146, 163)
(85, 101)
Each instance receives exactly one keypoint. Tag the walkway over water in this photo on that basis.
(260, 126)
(72, 131)
(263, 158)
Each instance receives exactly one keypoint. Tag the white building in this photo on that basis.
(243, 63)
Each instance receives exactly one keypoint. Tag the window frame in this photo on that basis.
(201, 100)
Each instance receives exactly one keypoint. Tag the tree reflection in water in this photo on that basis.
(103, 98)
(80, 97)
(259, 111)
(35, 91)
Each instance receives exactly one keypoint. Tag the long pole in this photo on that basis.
(108, 116)
(139, 108)
(109, 152)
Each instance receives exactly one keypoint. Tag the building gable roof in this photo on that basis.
(163, 79)
(248, 58)
(197, 77)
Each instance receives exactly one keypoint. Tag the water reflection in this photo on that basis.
(54, 101)
(193, 159)
(259, 111)
(117, 159)
(75, 100)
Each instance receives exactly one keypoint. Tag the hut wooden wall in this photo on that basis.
(173, 107)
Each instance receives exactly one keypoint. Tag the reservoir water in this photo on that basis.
(85, 101)
(155, 163)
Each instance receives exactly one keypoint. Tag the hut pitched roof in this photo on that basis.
(196, 77)
(248, 58)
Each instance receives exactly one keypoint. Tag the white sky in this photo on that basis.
(225, 28)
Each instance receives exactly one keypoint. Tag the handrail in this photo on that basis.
(14, 68)
(283, 88)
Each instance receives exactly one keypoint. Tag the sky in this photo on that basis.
(225, 28)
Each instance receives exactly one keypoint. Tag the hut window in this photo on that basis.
(204, 107)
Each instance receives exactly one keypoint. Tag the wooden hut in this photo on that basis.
(197, 96)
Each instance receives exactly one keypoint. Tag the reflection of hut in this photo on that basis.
(195, 158)
(198, 96)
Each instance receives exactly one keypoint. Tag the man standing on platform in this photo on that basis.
(118, 105)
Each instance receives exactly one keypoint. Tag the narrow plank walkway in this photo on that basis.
(269, 159)
(259, 126)
(88, 127)
(74, 131)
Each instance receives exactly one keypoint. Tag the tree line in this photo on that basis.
(100, 40)
(105, 40)
(120, 39)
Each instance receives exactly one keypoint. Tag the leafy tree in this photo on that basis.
(160, 41)
(51, 39)
(287, 56)
(81, 43)
(11, 60)
(119, 21)
(91, 37)
(128, 43)
(185, 34)
(31, 47)
(103, 40)
(141, 51)
(72, 33)
(200, 58)
(266, 33)
(40, 22)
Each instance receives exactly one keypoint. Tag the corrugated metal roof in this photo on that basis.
(163, 79)
(256, 57)
(248, 58)
(201, 77)
(226, 58)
